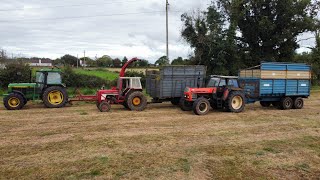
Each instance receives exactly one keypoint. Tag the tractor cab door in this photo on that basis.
(40, 82)
(219, 83)
(124, 86)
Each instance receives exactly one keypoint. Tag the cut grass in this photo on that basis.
(162, 142)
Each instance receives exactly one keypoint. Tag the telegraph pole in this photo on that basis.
(167, 29)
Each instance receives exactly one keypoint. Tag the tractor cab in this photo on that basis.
(222, 81)
(125, 84)
(48, 77)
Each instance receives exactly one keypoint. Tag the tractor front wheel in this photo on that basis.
(13, 101)
(104, 106)
(136, 101)
(235, 102)
(201, 106)
(55, 97)
(185, 105)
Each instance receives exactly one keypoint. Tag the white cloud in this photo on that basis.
(54, 28)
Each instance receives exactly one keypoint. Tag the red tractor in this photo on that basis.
(128, 93)
(221, 92)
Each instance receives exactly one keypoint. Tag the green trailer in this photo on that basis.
(48, 87)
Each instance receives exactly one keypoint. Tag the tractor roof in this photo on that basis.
(49, 70)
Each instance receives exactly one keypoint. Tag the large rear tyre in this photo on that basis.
(235, 102)
(13, 101)
(265, 103)
(201, 106)
(286, 103)
(136, 101)
(185, 105)
(298, 103)
(55, 97)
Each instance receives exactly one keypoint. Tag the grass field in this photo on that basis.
(162, 142)
(101, 73)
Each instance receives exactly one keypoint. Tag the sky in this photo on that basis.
(118, 28)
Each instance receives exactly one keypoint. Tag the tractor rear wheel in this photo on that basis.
(286, 103)
(201, 106)
(185, 105)
(235, 102)
(104, 106)
(13, 101)
(298, 103)
(55, 97)
(136, 101)
(265, 103)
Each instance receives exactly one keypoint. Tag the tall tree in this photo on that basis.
(269, 28)
(162, 61)
(104, 61)
(124, 60)
(116, 62)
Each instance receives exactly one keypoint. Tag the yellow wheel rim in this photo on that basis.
(136, 101)
(55, 97)
(14, 102)
(237, 102)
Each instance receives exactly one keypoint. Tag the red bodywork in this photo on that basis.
(190, 91)
(102, 94)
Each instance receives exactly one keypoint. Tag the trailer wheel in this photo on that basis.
(265, 103)
(104, 106)
(137, 101)
(298, 103)
(13, 101)
(175, 101)
(286, 103)
(55, 97)
(235, 102)
(185, 105)
(201, 106)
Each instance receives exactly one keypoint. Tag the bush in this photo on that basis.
(71, 79)
(137, 74)
(15, 73)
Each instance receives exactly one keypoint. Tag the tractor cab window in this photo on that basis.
(39, 77)
(136, 84)
(216, 82)
(54, 78)
(233, 83)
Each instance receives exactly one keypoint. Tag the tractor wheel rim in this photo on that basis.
(55, 97)
(237, 102)
(136, 101)
(203, 107)
(105, 107)
(14, 102)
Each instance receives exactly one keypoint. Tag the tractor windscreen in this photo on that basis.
(213, 82)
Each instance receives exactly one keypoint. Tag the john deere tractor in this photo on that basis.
(48, 87)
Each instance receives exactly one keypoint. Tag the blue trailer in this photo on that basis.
(283, 85)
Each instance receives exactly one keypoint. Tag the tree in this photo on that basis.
(178, 61)
(67, 60)
(205, 33)
(269, 28)
(89, 62)
(124, 60)
(104, 61)
(142, 63)
(3, 55)
(116, 63)
(162, 61)
(316, 58)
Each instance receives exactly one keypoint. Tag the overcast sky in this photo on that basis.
(132, 28)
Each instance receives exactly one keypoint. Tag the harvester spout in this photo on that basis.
(124, 67)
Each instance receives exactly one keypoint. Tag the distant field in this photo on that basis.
(101, 73)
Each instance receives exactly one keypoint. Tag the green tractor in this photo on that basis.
(48, 88)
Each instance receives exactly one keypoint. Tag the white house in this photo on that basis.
(41, 62)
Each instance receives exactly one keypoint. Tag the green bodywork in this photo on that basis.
(33, 91)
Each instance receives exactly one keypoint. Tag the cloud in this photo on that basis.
(117, 28)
